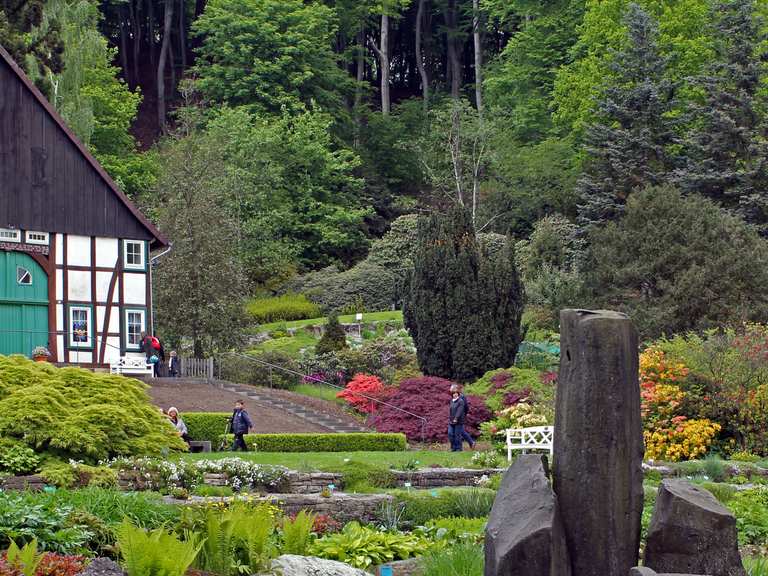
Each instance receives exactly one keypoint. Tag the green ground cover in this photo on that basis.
(290, 345)
(319, 391)
(386, 316)
(336, 460)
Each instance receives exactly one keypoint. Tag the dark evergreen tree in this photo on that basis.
(726, 155)
(18, 18)
(463, 304)
(628, 146)
(334, 338)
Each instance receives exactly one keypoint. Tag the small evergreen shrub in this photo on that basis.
(429, 397)
(207, 425)
(285, 307)
(72, 413)
(334, 338)
(362, 476)
(352, 442)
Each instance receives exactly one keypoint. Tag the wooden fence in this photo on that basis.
(196, 368)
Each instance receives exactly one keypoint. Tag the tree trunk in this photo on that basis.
(161, 64)
(478, 56)
(124, 46)
(419, 57)
(134, 8)
(183, 34)
(359, 77)
(151, 34)
(382, 53)
(451, 40)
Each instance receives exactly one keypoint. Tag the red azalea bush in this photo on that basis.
(360, 391)
(426, 396)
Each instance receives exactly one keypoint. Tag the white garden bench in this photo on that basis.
(533, 438)
(131, 365)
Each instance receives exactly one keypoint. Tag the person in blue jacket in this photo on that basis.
(240, 424)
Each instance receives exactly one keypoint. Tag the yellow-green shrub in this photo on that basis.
(72, 413)
(285, 307)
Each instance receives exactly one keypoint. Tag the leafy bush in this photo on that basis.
(72, 413)
(519, 415)
(352, 442)
(428, 397)
(382, 357)
(364, 547)
(334, 338)
(52, 564)
(371, 388)
(156, 552)
(207, 425)
(297, 533)
(422, 506)
(74, 474)
(751, 510)
(489, 459)
(362, 476)
(19, 459)
(285, 307)
(507, 386)
(244, 371)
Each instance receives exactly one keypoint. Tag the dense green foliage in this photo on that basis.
(285, 307)
(354, 442)
(334, 337)
(207, 425)
(73, 413)
(463, 303)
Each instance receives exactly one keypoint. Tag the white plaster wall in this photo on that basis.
(60, 347)
(114, 319)
(79, 287)
(60, 318)
(78, 251)
(59, 248)
(112, 351)
(106, 252)
(135, 289)
(80, 356)
(102, 285)
(59, 285)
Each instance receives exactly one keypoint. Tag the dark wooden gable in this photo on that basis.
(48, 180)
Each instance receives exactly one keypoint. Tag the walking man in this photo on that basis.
(456, 414)
(241, 424)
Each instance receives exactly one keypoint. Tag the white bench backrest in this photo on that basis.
(533, 438)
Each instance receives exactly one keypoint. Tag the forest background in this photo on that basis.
(278, 141)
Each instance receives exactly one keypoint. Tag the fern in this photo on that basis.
(219, 546)
(25, 559)
(258, 527)
(297, 533)
(155, 553)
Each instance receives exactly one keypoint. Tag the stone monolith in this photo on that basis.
(524, 536)
(598, 442)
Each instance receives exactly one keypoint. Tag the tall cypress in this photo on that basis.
(627, 147)
(727, 152)
(463, 305)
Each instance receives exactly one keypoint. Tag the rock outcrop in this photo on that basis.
(292, 565)
(691, 531)
(598, 442)
(524, 536)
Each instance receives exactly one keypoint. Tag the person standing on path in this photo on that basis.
(456, 414)
(241, 423)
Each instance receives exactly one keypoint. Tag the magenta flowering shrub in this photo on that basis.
(427, 396)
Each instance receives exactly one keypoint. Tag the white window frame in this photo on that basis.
(10, 235)
(40, 241)
(89, 319)
(19, 280)
(143, 252)
(135, 347)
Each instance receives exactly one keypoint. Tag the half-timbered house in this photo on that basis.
(74, 251)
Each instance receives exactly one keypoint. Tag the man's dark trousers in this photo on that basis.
(239, 443)
(455, 433)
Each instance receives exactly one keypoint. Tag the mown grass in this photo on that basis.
(386, 316)
(291, 345)
(330, 461)
(318, 391)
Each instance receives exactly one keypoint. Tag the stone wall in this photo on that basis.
(441, 477)
(312, 482)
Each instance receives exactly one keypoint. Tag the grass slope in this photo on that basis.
(386, 316)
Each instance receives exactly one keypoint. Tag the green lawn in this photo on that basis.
(290, 345)
(329, 461)
(318, 391)
(387, 316)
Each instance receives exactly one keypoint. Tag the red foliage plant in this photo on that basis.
(325, 524)
(51, 564)
(362, 392)
(427, 396)
(513, 397)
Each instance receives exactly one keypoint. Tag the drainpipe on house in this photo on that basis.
(152, 286)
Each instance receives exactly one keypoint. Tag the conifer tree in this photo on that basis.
(334, 338)
(463, 304)
(728, 152)
(627, 147)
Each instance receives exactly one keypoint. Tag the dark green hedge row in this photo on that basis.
(206, 425)
(353, 442)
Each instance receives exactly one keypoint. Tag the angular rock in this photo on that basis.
(524, 536)
(691, 531)
(598, 442)
(643, 571)
(102, 567)
(292, 565)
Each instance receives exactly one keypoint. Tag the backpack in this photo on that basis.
(155, 342)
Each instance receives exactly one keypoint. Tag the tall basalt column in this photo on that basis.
(598, 443)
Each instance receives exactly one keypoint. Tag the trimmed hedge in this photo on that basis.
(206, 425)
(285, 307)
(351, 442)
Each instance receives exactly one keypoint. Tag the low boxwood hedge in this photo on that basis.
(206, 425)
(352, 442)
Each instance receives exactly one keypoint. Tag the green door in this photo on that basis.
(23, 304)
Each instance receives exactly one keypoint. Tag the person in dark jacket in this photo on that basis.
(174, 369)
(178, 424)
(464, 434)
(456, 413)
(240, 424)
